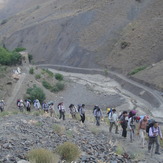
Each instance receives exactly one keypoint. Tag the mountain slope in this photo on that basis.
(88, 34)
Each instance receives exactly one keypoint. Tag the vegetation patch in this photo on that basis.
(46, 84)
(38, 76)
(42, 156)
(50, 74)
(58, 129)
(30, 58)
(119, 150)
(4, 113)
(9, 58)
(68, 151)
(36, 93)
(137, 70)
(20, 49)
(59, 76)
(31, 70)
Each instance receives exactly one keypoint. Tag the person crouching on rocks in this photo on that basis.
(113, 118)
(98, 115)
(82, 113)
(61, 109)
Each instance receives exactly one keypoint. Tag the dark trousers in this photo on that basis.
(124, 131)
(98, 121)
(28, 109)
(1, 108)
(151, 142)
(62, 115)
(111, 126)
(82, 118)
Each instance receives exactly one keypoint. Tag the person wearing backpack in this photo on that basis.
(98, 115)
(113, 118)
(28, 105)
(123, 122)
(61, 109)
(154, 133)
(51, 110)
(73, 111)
(142, 130)
(82, 113)
(21, 105)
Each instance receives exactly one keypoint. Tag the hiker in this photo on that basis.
(154, 132)
(131, 123)
(52, 110)
(123, 122)
(28, 105)
(142, 130)
(82, 113)
(21, 105)
(98, 115)
(2, 105)
(113, 118)
(37, 104)
(45, 107)
(73, 111)
(61, 109)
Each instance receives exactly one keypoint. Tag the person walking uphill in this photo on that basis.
(142, 130)
(123, 121)
(113, 118)
(154, 132)
(2, 105)
(61, 110)
(82, 113)
(98, 115)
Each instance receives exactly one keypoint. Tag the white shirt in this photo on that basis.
(113, 117)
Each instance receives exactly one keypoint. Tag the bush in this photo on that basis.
(60, 86)
(30, 58)
(137, 70)
(50, 74)
(58, 129)
(46, 85)
(42, 156)
(54, 89)
(37, 76)
(59, 76)
(9, 58)
(31, 71)
(19, 49)
(68, 151)
(36, 93)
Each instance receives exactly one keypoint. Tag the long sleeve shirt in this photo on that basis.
(98, 113)
(155, 132)
(113, 117)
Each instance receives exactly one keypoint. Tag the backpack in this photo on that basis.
(150, 124)
(132, 113)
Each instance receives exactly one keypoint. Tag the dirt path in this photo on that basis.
(23, 76)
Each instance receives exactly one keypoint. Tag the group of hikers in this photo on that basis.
(128, 121)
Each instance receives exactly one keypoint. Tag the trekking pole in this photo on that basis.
(152, 149)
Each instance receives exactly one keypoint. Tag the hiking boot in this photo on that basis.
(157, 153)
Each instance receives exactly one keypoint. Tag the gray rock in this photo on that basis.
(23, 161)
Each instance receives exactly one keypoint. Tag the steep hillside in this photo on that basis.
(118, 35)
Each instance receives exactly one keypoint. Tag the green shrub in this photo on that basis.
(50, 74)
(119, 150)
(31, 70)
(9, 58)
(54, 89)
(42, 156)
(38, 76)
(60, 86)
(46, 84)
(36, 93)
(68, 151)
(19, 49)
(137, 70)
(59, 76)
(30, 57)
(58, 129)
